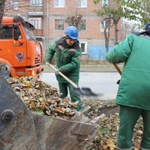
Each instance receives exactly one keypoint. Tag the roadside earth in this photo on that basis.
(90, 66)
(106, 115)
(96, 107)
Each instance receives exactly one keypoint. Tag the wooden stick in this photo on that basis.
(117, 68)
(72, 83)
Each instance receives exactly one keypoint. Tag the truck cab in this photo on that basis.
(19, 50)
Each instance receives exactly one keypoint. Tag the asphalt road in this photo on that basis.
(100, 83)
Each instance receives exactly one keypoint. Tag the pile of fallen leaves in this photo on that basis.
(106, 136)
(105, 114)
(43, 98)
(38, 96)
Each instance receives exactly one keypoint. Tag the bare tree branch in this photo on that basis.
(2, 5)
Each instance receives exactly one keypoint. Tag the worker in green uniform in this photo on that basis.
(133, 95)
(68, 55)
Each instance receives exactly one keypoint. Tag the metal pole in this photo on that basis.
(47, 25)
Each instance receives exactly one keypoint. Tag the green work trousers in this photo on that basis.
(128, 118)
(63, 89)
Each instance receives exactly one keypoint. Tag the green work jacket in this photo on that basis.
(134, 86)
(67, 60)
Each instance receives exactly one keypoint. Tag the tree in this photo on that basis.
(107, 25)
(74, 20)
(74, 17)
(137, 10)
(111, 13)
(2, 5)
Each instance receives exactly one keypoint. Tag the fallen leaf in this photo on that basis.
(111, 144)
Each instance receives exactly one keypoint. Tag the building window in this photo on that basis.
(82, 3)
(104, 3)
(83, 46)
(36, 2)
(14, 4)
(59, 3)
(37, 22)
(83, 24)
(59, 24)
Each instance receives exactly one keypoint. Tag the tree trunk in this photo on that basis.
(2, 5)
(107, 32)
(116, 34)
(107, 36)
(116, 20)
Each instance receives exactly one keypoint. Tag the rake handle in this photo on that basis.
(66, 78)
(117, 68)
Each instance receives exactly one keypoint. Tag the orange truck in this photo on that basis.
(20, 52)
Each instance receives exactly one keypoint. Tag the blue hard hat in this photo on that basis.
(72, 32)
(147, 26)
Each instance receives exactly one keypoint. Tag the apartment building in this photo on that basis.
(50, 20)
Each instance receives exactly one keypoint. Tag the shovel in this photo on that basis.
(119, 71)
(85, 91)
(117, 68)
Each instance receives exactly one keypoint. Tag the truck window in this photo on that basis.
(6, 32)
(17, 34)
(29, 33)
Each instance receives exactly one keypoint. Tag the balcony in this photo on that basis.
(35, 11)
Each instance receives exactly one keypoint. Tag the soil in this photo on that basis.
(109, 110)
(99, 107)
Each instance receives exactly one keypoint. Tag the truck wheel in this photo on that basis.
(4, 70)
(7, 115)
